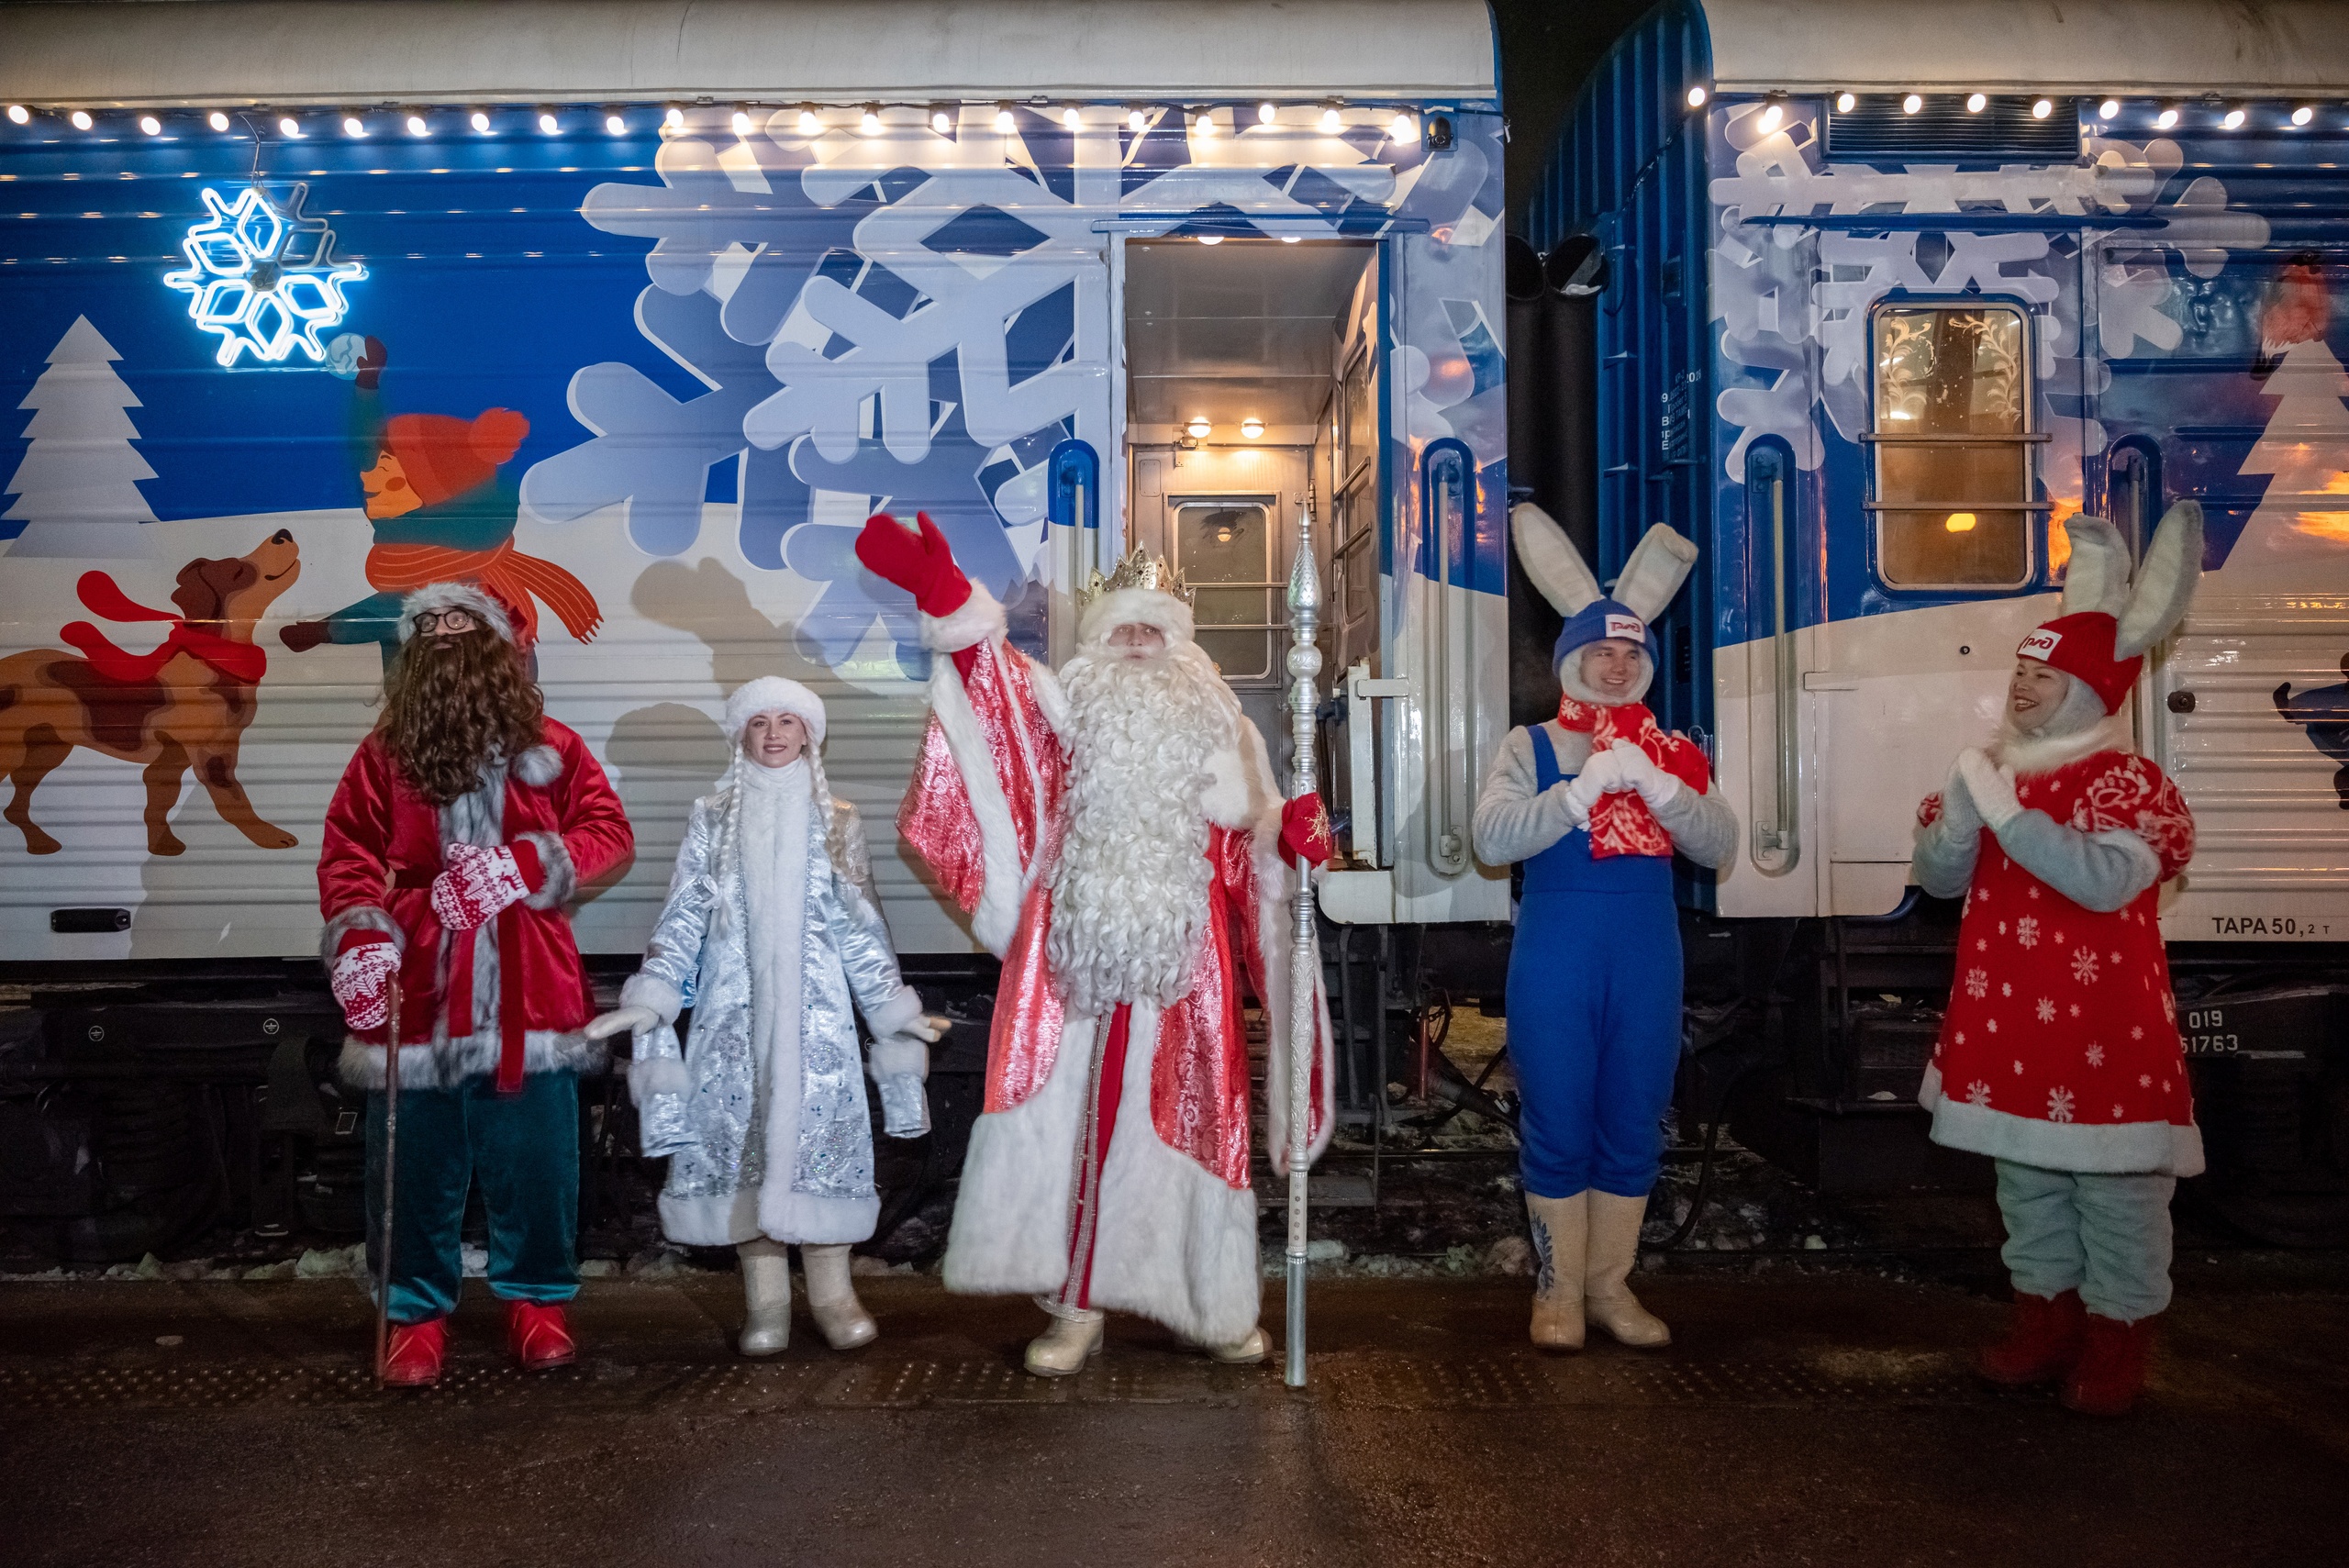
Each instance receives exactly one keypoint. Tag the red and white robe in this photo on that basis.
(1109, 1164)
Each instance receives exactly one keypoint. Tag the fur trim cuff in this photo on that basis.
(896, 1015)
(1570, 681)
(661, 1075)
(2128, 1148)
(2031, 754)
(359, 917)
(895, 1055)
(539, 767)
(554, 862)
(476, 1056)
(1135, 607)
(980, 619)
(644, 990)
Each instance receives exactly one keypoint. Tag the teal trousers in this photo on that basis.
(522, 1148)
(2106, 1237)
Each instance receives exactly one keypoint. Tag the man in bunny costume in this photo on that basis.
(1596, 803)
(2060, 1056)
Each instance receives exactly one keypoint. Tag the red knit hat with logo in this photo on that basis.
(2082, 647)
(443, 457)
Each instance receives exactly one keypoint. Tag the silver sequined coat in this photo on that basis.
(757, 1073)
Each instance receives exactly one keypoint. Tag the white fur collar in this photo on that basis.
(1242, 794)
(2031, 754)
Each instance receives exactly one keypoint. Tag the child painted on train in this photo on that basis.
(1596, 803)
(2060, 1055)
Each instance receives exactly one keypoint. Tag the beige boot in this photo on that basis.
(1062, 1349)
(1246, 1350)
(832, 1298)
(1560, 1234)
(1614, 1247)
(766, 1288)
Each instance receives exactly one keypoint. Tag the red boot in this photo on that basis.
(2042, 1344)
(412, 1355)
(2111, 1371)
(538, 1335)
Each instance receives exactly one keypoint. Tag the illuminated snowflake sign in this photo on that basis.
(263, 277)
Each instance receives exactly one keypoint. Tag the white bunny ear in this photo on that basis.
(1551, 560)
(2164, 582)
(2098, 575)
(1660, 562)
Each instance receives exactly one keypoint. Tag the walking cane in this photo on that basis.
(390, 1165)
(1303, 664)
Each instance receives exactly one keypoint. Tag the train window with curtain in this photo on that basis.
(1953, 475)
(1224, 550)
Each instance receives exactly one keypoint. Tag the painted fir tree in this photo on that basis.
(2302, 522)
(77, 490)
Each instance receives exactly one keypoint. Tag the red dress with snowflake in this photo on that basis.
(2060, 1047)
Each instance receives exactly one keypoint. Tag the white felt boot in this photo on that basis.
(766, 1289)
(1561, 1236)
(1614, 1248)
(831, 1297)
(1062, 1349)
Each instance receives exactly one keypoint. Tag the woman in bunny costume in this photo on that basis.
(2059, 1056)
(1596, 803)
(772, 930)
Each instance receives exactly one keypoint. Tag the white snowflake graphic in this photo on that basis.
(1961, 1037)
(2006, 988)
(2047, 1009)
(2018, 1066)
(1977, 983)
(2096, 1056)
(2145, 1080)
(1992, 1024)
(2084, 966)
(2136, 1031)
(2030, 892)
(2027, 930)
(1977, 1092)
(262, 276)
(2118, 1112)
(2075, 1009)
(2059, 939)
(2059, 1104)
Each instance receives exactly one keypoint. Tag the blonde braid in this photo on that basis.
(835, 825)
(727, 850)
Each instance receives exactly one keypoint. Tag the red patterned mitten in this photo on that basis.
(362, 981)
(477, 884)
(1305, 830)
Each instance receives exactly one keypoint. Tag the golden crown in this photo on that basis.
(1138, 570)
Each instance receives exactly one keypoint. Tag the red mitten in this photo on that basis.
(922, 565)
(1305, 830)
(477, 884)
(362, 980)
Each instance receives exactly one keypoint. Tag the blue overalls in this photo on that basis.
(1594, 1012)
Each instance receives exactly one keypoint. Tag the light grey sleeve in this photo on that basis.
(1514, 820)
(1703, 828)
(1946, 851)
(673, 954)
(2096, 871)
(861, 938)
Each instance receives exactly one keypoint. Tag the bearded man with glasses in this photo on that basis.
(460, 833)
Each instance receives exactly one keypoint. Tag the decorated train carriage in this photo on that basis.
(1869, 299)
(634, 311)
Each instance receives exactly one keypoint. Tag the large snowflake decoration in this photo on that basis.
(262, 276)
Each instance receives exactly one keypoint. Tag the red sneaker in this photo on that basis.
(538, 1335)
(2111, 1372)
(412, 1355)
(2041, 1343)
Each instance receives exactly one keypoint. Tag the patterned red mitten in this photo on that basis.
(1305, 830)
(362, 980)
(922, 565)
(477, 884)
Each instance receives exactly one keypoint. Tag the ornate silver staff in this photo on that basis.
(1303, 664)
(391, 1170)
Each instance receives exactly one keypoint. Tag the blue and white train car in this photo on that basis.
(1885, 292)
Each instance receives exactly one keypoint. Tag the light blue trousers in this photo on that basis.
(2106, 1237)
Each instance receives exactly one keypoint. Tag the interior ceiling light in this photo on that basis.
(1696, 96)
(1911, 104)
(941, 121)
(548, 124)
(2233, 119)
(1003, 120)
(150, 125)
(2300, 116)
(2043, 108)
(1961, 522)
(215, 119)
(809, 125)
(1252, 426)
(1136, 121)
(416, 125)
(1071, 119)
(1198, 429)
(1265, 113)
(353, 126)
(1402, 127)
(2166, 119)
(2109, 110)
(290, 128)
(1774, 115)
(1332, 121)
(20, 115)
(1975, 103)
(1847, 102)
(81, 121)
(869, 122)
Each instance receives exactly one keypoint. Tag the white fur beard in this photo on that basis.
(1130, 893)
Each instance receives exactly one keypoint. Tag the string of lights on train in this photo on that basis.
(2214, 113)
(1332, 116)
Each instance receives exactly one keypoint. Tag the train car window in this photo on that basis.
(1225, 552)
(1357, 421)
(1952, 500)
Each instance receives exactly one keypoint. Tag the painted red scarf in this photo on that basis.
(1622, 824)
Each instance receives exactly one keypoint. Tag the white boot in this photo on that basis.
(1062, 1349)
(1246, 1350)
(831, 1297)
(1614, 1247)
(766, 1288)
(1561, 1238)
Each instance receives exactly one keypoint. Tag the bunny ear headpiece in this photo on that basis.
(1659, 565)
(2106, 623)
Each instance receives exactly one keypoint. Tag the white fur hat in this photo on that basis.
(773, 693)
(470, 598)
(1134, 606)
